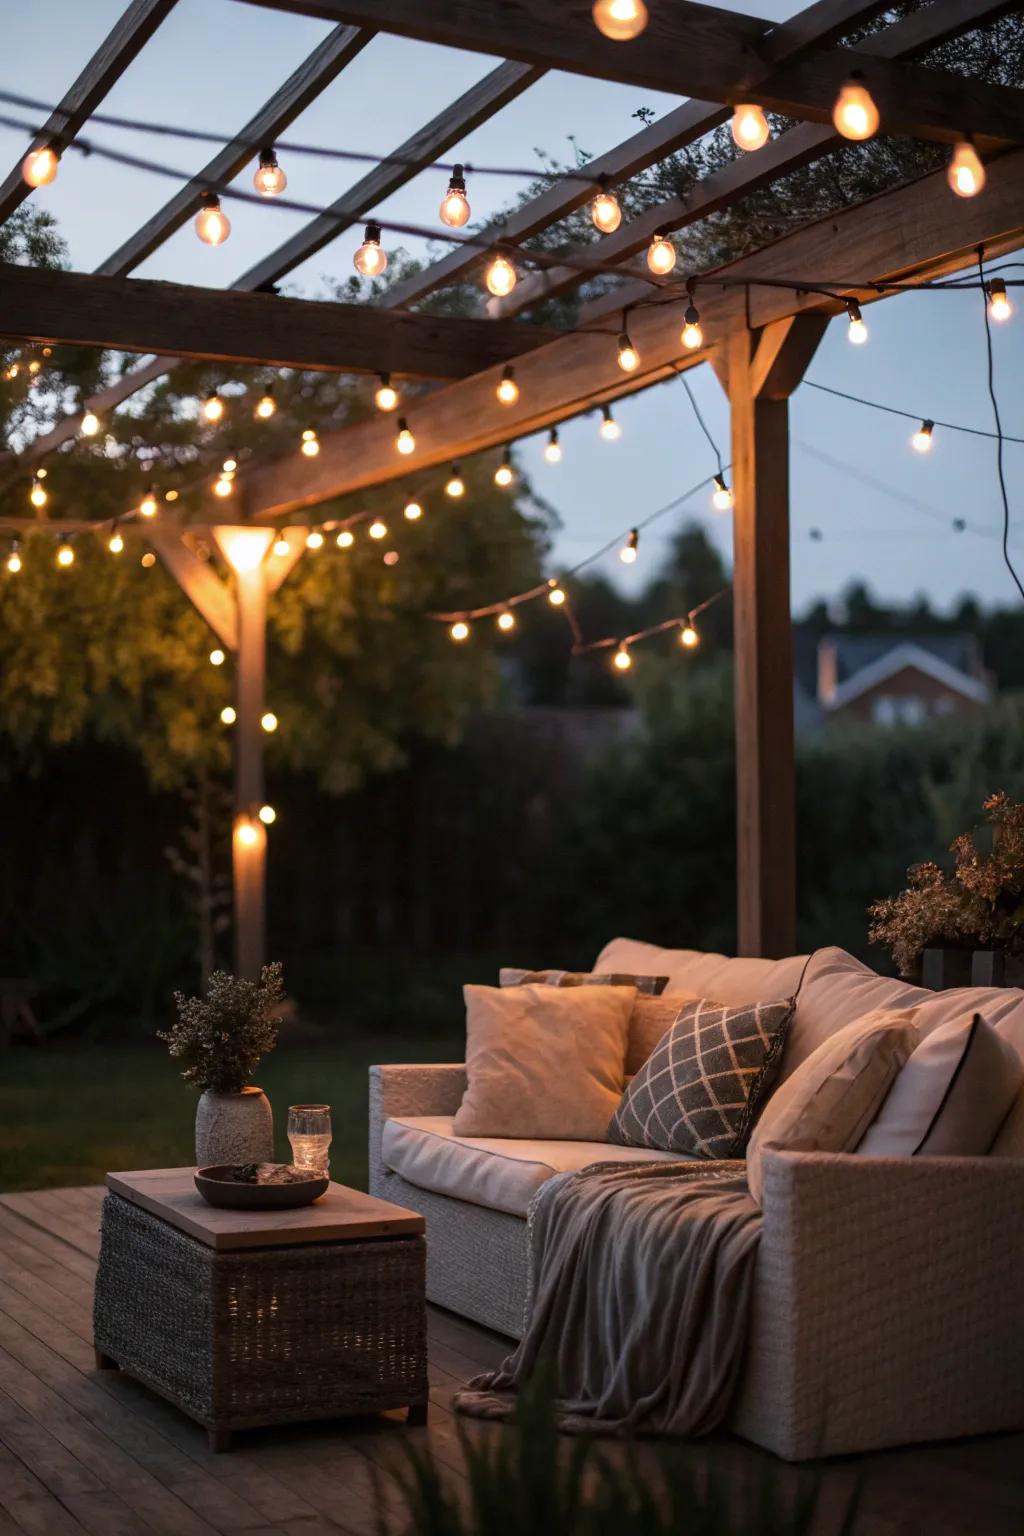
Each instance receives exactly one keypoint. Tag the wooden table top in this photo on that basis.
(340, 1215)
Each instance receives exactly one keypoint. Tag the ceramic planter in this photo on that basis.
(234, 1128)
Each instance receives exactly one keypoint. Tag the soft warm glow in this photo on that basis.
(115, 543)
(148, 504)
(722, 498)
(269, 179)
(610, 429)
(39, 166)
(223, 486)
(217, 658)
(605, 212)
(282, 547)
(855, 114)
(244, 548)
(228, 715)
(12, 371)
(623, 660)
(629, 357)
(212, 224)
(392, 557)
(268, 815)
(999, 306)
(213, 407)
(691, 336)
(148, 560)
(65, 555)
(456, 486)
(37, 495)
(553, 448)
(412, 511)
(661, 256)
(508, 389)
(230, 465)
(404, 440)
(310, 443)
(370, 259)
(247, 832)
(269, 721)
(628, 552)
(386, 397)
(620, 20)
(170, 495)
(857, 331)
(314, 539)
(14, 561)
(556, 596)
(454, 209)
(90, 424)
(504, 474)
(506, 620)
(378, 529)
(688, 636)
(922, 438)
(459, 630)
(966, 173)
(749, 126)
(501, 277)
(35, 366)
(346, 538)
(266, 405)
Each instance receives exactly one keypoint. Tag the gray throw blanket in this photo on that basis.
(640, 1286)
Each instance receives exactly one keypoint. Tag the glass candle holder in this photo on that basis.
(309, 1131)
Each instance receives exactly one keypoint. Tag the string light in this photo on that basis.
(170, 495)
(65, 554)
(501, 277)
(386, 396)
(11, 372)
(228, 715)
(722, 498)
(556, 594)
(223, 486)
(346, 538)
(661, 255)
(266, 405)
(115, 543)
(504, 475)
(622, 659)
(246, 831)
(412, 511)
(404, 440)
(454, 210)
(858, 331)
(35, 366)
(370, 259)
(610, 429)
(553, 448)
(90, 424)
(212, 224)
(506, 620)
(999, 306)
(629, 357)
(148, 504)
(605, 211)
(628, 552)
(310, 443)
(148, 560)
(691, 335)
(39, 166)
(37, 495)
(14, 558)
(392, 557)
(749, 126)
(217, 657)
(922, 438)
(281, 547)
(966, 174)
(508, 389)
(688, 636)
(267, 815)
(269, 722)
(621, 20)
(455, 486)
(314, 539)
(378, 529)
(213, 407)
(459, 631)
(855, 115)
(269, 180)
(229, 465)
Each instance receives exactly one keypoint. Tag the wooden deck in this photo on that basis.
(87, 1452)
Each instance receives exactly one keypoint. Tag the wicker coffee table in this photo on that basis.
(246, 1318)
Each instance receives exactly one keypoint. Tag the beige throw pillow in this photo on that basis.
(951, 1097)
(545, 1063)
(832, 1098)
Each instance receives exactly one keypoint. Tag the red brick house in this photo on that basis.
(900, 680)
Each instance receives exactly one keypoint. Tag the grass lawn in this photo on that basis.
(70, 1112)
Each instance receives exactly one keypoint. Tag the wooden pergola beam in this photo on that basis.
(124, 41)
(134, 315)
(691, 49)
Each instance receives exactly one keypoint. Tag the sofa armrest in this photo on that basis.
(409, 1090)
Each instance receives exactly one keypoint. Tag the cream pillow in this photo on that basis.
(1009, 1141)
(831, 1099)
(951, 1097)
(544, 1063)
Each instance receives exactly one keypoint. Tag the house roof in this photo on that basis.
(898, 658)
(854, 652)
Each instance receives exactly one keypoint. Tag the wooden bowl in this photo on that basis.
(218, 1186)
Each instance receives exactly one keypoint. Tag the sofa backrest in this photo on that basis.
(692, 973)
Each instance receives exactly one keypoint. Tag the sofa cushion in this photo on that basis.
(831, 1099)
(651, 1016)
(500, 1173)
(691, 972)
(951, 1097)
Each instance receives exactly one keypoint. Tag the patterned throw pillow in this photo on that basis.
(706, 1079)
(647, 986)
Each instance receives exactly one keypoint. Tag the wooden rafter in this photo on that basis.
(134, 315)
(696, 50)
(126, 38)
(906, 235)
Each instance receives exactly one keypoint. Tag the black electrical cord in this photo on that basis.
(999, 430)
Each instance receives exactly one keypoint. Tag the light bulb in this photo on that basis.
(605, 212)
(661, 255)
(228, 715)
(34, 366)
(556, 595)
(504, 475)
(267, 815)
(37, 495)
(90, 424)
(855, 114)
(229, 465)
(392, 557)
(148, 560)
(246, 832)
(378, 529)
(999, 306)
(269, 721)
(217, 657)
(223, 486)
(386, 396)
(310, 443)
(691, 335)
(506, 620)
(722, 499)
(65, 555)
(553, 448)
(628, 552)
(269, 179)
(858, 331)
(623, 660)
(412, 511)
(508, 389)
(404, 440)
(115, 543)
(501, 277)
(629, 357)
(282, 547)
(346, 538)
(39, 166)
(459, 630)
(266, 405)
(14, 560)
(213, 407)
(688, 637)
(314, 539)
(455, 207)
(610, 429)
(212, 224)
(966, 174)
(370, 259)
(922, 438)
(456, 486)
(171, 495)
(749, 126)
(620, 20)
(148, 504)
(12, 371)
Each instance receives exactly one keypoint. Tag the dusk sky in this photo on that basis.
(885, 512)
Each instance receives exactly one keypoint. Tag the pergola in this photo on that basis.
(761, 324)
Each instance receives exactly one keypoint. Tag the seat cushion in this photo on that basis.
(693, 973)
(497, 1172)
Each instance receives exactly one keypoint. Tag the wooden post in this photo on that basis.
(249, 839)
(762, 371)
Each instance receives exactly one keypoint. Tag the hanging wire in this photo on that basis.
(893, 410)
(999, 431)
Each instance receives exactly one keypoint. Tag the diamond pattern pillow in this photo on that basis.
(706, 1079)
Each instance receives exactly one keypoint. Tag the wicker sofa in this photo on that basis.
(888, 1303)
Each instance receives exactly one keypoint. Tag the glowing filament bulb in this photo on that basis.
(115, 543)
(556, 595)
(508, 389)
(661, 255)
(999, 306)
(621, 20)
(346, 538)
(858, 331)
(269, 722)
(623, 660)
(610, 429)
(281, 547)
(148, 560)
(506, 620)
(688, 637)
(310, 443)
(39, 166)
(454, 209)
(212, 224)
(722, 499)
(370, 259)
(268, 815)
(65, 555)
(230, 465)
(386, 396)
(246, 832)
(459, 630)
(378, 529)
(966, 174)
(749, 126)
(629, 357)
(456, 486)
(34, 366)
(37, 495)
(266, 405)
(213, 407)
(314, 539)
(269, 179)
(14, 559)
(504, 475)
(412, 511)
(147, 506)
(605, 212)
(628, 552)
(217, 657)
(223, 486)
(691, 335)
(501, 277)
(404, 440)
(553, 448)
(90, 424)
(922, 438)
(228, 715)
(855, 114)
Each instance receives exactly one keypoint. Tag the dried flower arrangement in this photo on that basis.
(979, 906)
(221, 1037)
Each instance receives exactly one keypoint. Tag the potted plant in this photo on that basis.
(221, 1038)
